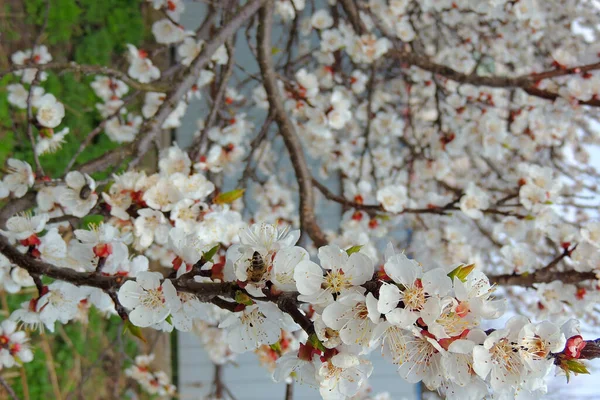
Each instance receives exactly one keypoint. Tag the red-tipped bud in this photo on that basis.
(32, 240)
(103, 250)
(574, 346)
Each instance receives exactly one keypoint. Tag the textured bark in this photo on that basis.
(292, 142)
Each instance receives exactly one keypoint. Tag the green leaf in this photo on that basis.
(229, 197)
(89, 221)
(315, 342)
(243, 298)
(211, 253)
(134, 330)
(576, 366)
(275, 50)
(169, 319)
(461, 272)
(276, 347)
(354, 249)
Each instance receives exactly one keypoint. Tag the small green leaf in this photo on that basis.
(228, 197)
(211, 253)
(576, 366)
(315, 342)
(529, 218)
(354, 249)
(276, 347)
(243, 298)
(89, 221)
(169, 319)
(275, 50)
(134, 330)
(461, 272)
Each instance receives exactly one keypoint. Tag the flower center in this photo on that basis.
(154, 298)
(186, 213)
(536, 347)
(505, 355)
(46, 114)
(337, 281)
(414, 297)
(252, 318)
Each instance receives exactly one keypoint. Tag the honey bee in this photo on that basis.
(257, 268)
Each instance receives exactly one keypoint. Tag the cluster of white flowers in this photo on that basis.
(426, 320)
(121, 127)
(384, 104)
(37, 55)
(153, 382)
(48, 111)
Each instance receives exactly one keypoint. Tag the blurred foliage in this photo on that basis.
(77, 350)
(85, 31)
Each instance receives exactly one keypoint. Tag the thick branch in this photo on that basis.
(16, 206)
(353, 15)
(546, 274)
(286, 129)
(287, 303)
(37, 267)
(591, 350)
(543, 276)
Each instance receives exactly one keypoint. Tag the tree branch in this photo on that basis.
(439, 210)
(591, 350)
(37, 267)
(542, 276)
(153, 126)
(196, 145)
(9, 390)
(88, 70)
(286, 129)
(526, 82)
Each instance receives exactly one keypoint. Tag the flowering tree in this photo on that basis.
(460, 133)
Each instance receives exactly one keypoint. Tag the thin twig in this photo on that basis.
(96, 131)
(8, 388)
(217, 103)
